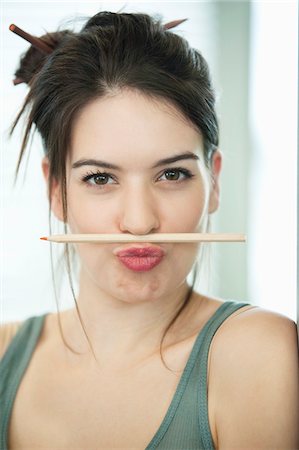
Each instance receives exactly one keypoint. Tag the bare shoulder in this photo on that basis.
(254, 325)
(256, 353)
(254, 338)
(7, 333)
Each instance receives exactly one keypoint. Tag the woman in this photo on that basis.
(125, 109)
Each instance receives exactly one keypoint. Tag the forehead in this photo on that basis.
(129, 127)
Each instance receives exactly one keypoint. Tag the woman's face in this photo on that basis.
(118, 182)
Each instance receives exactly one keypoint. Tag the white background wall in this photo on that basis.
(257, 77)
(229, 34)
(272, 175)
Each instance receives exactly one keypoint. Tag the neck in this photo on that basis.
(116, 327)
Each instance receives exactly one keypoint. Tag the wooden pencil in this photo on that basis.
(154, 237)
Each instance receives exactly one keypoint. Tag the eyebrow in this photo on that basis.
(161, 162)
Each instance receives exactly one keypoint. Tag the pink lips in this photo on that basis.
(140, 259)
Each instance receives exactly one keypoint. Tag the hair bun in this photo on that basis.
(107, 18)
(33, 59)
(102, 19)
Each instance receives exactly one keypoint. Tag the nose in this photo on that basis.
(139, 212)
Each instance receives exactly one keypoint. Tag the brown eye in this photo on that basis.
(176, 174)
(172, 174)
(100, 179)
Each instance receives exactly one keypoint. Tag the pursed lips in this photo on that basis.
(140, 258)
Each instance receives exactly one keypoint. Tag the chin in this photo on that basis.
(139, 288)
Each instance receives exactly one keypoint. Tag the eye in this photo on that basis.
(175, 174)
(97, 178)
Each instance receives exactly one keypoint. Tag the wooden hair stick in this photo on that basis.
(36, 42)
(154, 237)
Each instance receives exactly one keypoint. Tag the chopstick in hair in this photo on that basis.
(173, 23)
(35, 41)
(154, 237)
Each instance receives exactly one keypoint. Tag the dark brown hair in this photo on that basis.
(113, 51)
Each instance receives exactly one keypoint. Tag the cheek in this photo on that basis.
(187, 212)
(191, 214)
(90, 216)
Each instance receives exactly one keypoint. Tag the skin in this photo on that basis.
(134, 132)
(253, 359)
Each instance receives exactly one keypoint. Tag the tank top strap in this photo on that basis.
(189, 403)
(226, 310)
(12, 367)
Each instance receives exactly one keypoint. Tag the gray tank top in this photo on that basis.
(185, 425)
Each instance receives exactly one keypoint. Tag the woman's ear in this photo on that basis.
(215, 172)
(55, 194)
